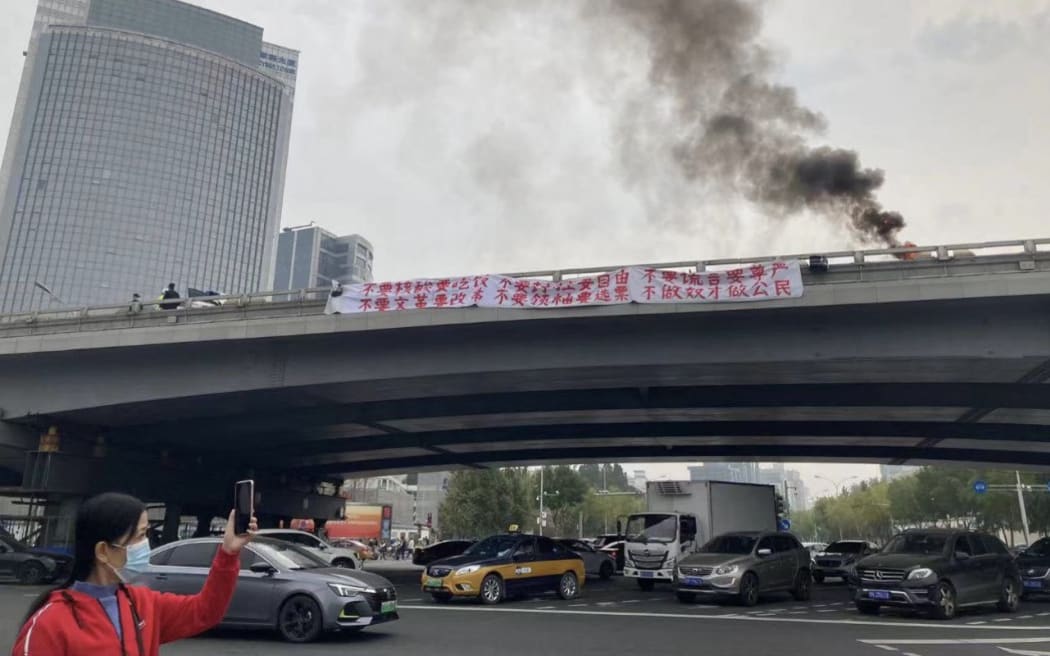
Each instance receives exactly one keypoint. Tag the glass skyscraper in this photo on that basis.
(309, 256)
(148, 146)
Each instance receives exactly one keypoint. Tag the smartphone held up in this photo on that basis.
(244, 506)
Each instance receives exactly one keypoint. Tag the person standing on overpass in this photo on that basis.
(96, 612)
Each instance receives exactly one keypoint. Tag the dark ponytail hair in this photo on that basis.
(106, 518)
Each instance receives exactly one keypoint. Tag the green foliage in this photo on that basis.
(933, 496)
(484, 502)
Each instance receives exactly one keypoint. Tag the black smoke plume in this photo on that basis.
(733, 126)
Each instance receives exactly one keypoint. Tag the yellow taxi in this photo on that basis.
(506, 565)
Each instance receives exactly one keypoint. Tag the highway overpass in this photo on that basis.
(941, 358)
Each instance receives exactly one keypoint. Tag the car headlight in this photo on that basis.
(469, 569)
(346, 590)
(726, 569)
(920, 573)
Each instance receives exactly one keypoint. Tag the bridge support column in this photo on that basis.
(172, 515)
(60, 520)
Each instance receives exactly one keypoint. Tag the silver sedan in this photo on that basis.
(595, 562)
(281, 586)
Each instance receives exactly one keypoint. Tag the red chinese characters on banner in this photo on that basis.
(755, 282)
(603, 289)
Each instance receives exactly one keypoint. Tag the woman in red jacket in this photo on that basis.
(95, 612)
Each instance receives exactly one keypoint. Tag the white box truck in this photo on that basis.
(682, 516)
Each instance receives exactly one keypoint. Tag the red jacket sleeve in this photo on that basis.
(182, 616)
(41, 635)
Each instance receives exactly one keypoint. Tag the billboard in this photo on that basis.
(362, 521)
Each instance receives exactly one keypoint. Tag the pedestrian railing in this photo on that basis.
(906, 262)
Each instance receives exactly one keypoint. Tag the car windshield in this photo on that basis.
(497, 546)
(916, 543)
(652, 528)
(845, 547)
(730, 544)
(287, 556)
(1040, 548)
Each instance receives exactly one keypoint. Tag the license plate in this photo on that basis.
(388, 607)
(693, 580)
(646, 575)
(1033, 584)
(432, 583)
(878, 594)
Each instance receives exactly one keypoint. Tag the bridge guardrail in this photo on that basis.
(850, 266)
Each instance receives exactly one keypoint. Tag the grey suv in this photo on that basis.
(743, 566)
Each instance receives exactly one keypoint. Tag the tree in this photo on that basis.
(605, 476)
(564, 489)
(480, 503)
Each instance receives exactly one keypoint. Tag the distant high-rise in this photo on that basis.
(890, 472)
(309, 256)
(148, 145)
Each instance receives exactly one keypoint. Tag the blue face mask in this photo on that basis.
(137, 559)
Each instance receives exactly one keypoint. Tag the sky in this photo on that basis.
(462, 136)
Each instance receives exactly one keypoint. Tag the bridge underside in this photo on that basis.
(310, 432)
(961, 381)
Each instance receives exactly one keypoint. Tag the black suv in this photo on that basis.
(941, 570)
(1034, 563)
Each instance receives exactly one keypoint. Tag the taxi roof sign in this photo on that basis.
(514, 528)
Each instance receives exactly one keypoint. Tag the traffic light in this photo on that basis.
(781, 506)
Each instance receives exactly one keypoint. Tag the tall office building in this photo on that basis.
(308, 256)
(148, 146)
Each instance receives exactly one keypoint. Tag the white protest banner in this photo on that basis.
(605, 289)
(755, 282)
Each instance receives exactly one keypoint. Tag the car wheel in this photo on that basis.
(748, 590)
(686, 597)
(441, 597)
(1009, 597)
(605, 572)
(345, 563)
(569, 586)
(945, 606)
(818, 577)
(31, 573)
(646, 584)
(802, 588)
(867, 608)
(299, 619)
(492, 590)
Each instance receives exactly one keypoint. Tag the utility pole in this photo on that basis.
(541, 500)
(1020, 504)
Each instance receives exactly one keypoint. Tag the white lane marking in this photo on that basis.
(1024, 617)
(1043, 614)
(732, 616)
(631, 601)
(603, 604)
(828, 610)
(797, 612)
(1024, 652)
(576, 605)
(545, 608)
(1003, 619)
(909, 653)
(886, 647)
(976, 623)
(958, 641)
